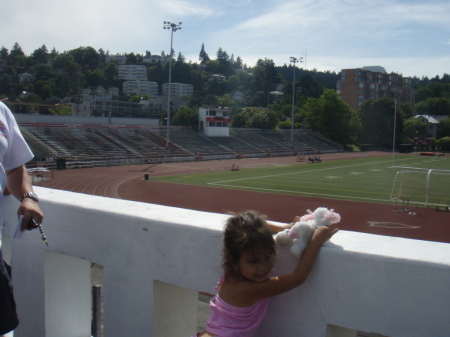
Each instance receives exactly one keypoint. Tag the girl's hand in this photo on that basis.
(290, 225)
(324, 233)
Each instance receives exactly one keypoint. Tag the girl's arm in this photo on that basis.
(279, 228)
(277, 285)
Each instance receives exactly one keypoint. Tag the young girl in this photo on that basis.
(249, 252)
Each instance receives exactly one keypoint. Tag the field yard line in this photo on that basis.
(309, 193)
(300, 172)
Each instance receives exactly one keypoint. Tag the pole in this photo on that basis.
(168, 91)
(293, 104)
(294, 60)
(173, 28)
(395, 127)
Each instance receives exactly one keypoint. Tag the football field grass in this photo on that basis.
(379, 179)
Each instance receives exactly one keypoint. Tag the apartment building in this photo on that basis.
(177, 92)
(140, 88)
(132, 72)
(361, 84)
(118, 58)
(154, 59)
(178, 89)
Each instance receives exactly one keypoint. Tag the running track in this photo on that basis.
(127, 182)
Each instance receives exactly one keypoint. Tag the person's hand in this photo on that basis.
(324, 233)
(30, 210)
(290, 225)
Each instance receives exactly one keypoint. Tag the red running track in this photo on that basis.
(127, 182)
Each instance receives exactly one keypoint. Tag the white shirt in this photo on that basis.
(14, 151)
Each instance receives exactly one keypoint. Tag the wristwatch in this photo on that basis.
(30, 195)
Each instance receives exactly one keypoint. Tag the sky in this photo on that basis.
(408, 37)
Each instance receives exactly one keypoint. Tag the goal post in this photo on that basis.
(424, 186)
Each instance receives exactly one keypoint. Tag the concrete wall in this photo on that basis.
(156, 258)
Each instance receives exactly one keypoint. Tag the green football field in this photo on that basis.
(379, 179)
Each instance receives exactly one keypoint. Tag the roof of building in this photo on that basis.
(430, 119)
(375, 69)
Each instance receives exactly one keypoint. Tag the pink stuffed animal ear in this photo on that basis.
(331, 217)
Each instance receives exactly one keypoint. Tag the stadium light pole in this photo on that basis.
(294, 60)
(395, 127)
(173, 28)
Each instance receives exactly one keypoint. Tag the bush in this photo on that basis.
(444, 144)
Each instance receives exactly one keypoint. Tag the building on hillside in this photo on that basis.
(154, 59)
(119, 59)
(153, 106)
(140, 88)
(215, 122)
(238, 97)
(432, 123)
(132, 72)
(275, 96)
(26, 78)
(358, 85)
(87, 95)
(100, 91)
(218, 78)
(113, 91)
(178, 93)
(106, 108)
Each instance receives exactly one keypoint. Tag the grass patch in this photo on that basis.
(361, 179)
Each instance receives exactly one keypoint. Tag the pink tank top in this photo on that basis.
(229, 321)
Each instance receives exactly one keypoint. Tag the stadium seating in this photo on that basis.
(121, 145)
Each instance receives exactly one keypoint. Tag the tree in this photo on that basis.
(110, 72)
(444, 128)
(16, 51)
(444, 143)
(131, 58)
(86, 57)
(378, 118)
(17, 58)
(61, 109)
(265, 77)
(330, 116)
(203, 55)
(40, 55)
(308, 87)
(436, 106)
(239, 120)
(238, 64)
(4, 53)
(264, 119)
(135, 98)
(413, 127)
(181, 58)
(255, 118)
(185, 116)
(226, 101)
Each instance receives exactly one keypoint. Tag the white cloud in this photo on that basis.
(335, 31)
(184, 8)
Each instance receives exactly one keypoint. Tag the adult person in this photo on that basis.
(14, 153)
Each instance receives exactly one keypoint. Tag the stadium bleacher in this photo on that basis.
(88, 146)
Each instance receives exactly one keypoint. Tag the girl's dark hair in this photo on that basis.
(245, 231)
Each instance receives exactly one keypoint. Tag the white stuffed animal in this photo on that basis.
(301, 232)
